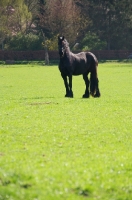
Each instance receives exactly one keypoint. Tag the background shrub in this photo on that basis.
(24, 42)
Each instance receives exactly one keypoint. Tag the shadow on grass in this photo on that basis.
(82, 192)
(26, 98)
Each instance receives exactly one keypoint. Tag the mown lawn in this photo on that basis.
(56, 148)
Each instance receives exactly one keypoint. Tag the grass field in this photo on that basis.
(56, 148)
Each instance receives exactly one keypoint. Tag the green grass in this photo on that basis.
(56, 148)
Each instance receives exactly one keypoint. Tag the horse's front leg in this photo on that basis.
(66, 84)
(70, 87)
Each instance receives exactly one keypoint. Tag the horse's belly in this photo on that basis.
(81, 69)
(76, 73)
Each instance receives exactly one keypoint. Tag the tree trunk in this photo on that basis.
(46, 50)
(2, 44)
(46, 57)
(108, 44)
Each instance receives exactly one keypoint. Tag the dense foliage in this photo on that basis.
(25, 42)
(94, 24)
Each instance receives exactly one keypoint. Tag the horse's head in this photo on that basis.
(61, 46)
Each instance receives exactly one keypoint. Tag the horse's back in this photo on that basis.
(83, 62)
(77, 64)
(92, 58)
(86, 57)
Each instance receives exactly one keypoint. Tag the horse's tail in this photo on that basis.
(94, 90)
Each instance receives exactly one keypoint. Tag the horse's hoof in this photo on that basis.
(85, 96)
(69, 95)
(92, 94)
(97, 95)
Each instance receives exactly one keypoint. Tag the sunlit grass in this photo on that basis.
(53, 147)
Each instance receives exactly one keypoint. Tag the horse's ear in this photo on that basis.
(61, 38)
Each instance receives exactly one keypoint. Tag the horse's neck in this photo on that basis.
(67, 52)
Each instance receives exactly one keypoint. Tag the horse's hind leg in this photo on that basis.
(94, 88)
(97, 94)
(86, 94)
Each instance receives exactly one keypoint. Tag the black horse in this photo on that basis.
(76, 64)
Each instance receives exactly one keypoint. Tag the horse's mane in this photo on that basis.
(66, 44)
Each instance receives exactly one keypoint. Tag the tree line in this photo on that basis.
(87, 24)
